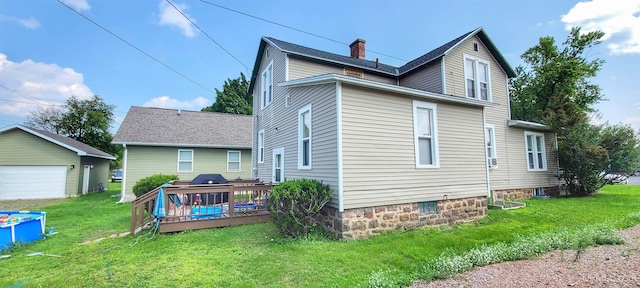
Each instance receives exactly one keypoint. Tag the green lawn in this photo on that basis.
(255, 256)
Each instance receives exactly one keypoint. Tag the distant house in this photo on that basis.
(186, 143)
(37, 164)
(425, 143)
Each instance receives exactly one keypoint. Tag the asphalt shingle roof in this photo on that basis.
(431, 55)
(77, 146)
(167, 127)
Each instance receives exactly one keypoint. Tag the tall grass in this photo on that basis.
(256, 256)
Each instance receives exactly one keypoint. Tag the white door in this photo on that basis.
(278, 165)
(32, 182)
(85, 179)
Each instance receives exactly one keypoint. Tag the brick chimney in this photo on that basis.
(357, 49)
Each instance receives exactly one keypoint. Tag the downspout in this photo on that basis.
(124, 174)
(339, 148)
(486, 156)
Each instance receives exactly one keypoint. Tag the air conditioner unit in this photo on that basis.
(492, 162)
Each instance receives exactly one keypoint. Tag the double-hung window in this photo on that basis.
(267, 86)
(536, 155)
(233, 161)
(425, 131)
(490, 138)
(261, 146)
(477, 78)
(304, 137)
(185, 160)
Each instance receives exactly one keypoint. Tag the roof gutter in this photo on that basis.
(332, 78)
(155, 144)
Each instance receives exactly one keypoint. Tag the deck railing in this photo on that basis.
(190, 207)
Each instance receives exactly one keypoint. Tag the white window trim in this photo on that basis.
(493, 141)
(535, 152)
(273, 165)
(300, 143)
(180, 161)
(261, 146)
(239, 160)
(475, 73)
(264, 76)
(436, 156)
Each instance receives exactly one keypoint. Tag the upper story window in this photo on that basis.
(536, 155)
(261, 146)
(233, 161)
(425, 131)
(477, 78)
(490, 137)
(304, 137)
(185, 160)
(267, 86)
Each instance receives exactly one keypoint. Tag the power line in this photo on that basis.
(293, 28)
(27, 96)
(134, 47)
(206, 34)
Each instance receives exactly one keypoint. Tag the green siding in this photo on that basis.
(19, 148)
(143, 161)
(99, 173)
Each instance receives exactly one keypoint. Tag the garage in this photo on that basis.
(32, 182)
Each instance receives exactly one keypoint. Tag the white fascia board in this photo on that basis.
(331, 78)
(528, 125)
(181, 145)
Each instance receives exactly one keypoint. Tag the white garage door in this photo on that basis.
(32, 182)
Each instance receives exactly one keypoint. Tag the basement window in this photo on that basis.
(430, 207)
(539, 191)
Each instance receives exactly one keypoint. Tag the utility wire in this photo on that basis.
(206, 34)
(134, 47)
(27, 96)
(295, 29)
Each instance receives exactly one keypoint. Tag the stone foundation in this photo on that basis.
(364, 222)
(522, 193)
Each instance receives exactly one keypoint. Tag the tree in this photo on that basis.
(234, 97)
(554, 89)
(87, 121)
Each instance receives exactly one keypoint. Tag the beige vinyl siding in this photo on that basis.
(428, 78)
(301, 68)
(379, 155)
(266, 118)
(512, 171)
(20, 148)
(143, 161)
(98, 174)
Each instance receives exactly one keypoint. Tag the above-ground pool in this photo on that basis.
(21, 227)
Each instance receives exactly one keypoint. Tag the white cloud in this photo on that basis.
(30, 23)
(618, 19)
(168, 102)
(78, 5)
(28, 84)
(634, 121)
(171, 17)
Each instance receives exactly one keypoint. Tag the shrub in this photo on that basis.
(147, 184)
(292, 203)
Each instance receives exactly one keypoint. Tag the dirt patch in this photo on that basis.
(31, 204)
(602, 266)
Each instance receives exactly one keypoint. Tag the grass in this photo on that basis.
(255, 256)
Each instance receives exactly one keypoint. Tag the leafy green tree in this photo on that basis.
(87, 121)
(554, 89)
(234, 97)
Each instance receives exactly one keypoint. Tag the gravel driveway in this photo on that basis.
(602, 266)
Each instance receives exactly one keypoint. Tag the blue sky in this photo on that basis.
(49, 52)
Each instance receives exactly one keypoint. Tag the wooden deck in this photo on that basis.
(190, 207)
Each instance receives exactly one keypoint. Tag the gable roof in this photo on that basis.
(149, 126)
(80, 148)
(368, 65)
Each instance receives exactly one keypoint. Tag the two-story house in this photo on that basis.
(422, 144)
